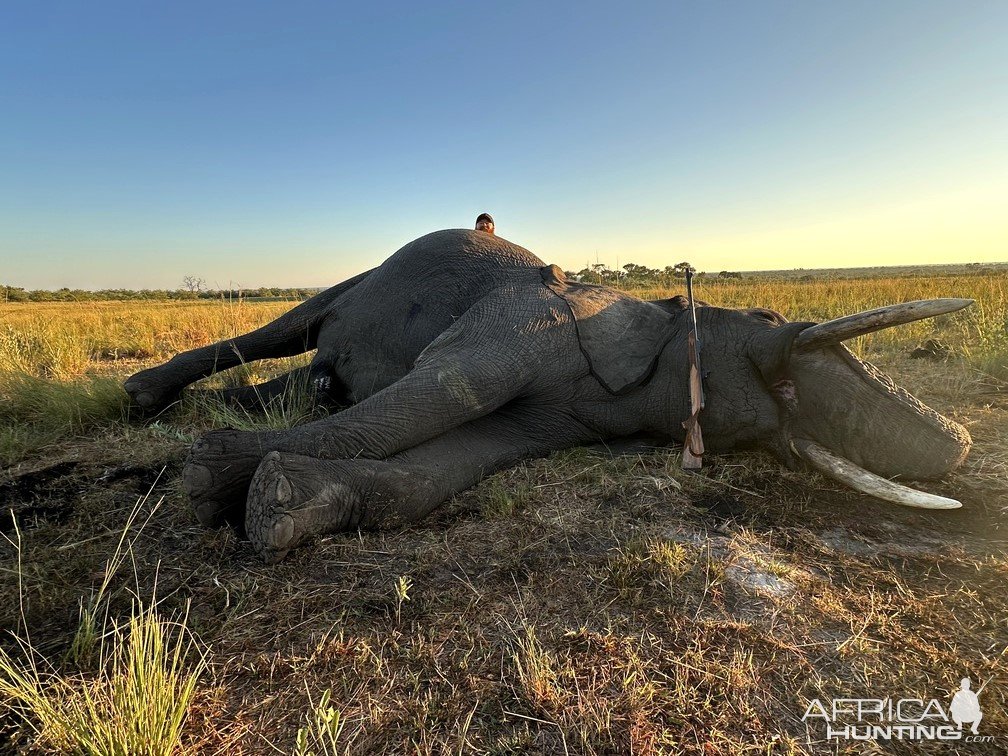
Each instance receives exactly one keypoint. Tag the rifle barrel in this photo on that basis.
(696, 328)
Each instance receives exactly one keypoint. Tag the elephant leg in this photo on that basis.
(412, 410)
(292, 497)
(294, 332)
(468, 372)
(316, 379)
(257, 397)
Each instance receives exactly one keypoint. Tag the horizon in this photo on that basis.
(303, 144)
(221, 289)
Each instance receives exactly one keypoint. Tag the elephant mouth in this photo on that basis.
(846, 419)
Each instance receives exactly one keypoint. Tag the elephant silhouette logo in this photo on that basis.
(965, 706)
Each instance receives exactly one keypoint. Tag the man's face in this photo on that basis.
(485, 225)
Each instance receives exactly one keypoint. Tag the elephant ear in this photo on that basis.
(620, 335)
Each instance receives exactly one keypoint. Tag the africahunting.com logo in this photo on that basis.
(900, 718)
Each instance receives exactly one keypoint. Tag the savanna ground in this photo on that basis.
(586, 603)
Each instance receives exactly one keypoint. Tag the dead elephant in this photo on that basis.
(464, 353)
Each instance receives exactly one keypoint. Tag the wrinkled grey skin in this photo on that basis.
(463, 354)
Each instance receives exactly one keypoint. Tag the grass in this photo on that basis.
(321, 734)
(132, 701)
(66, 340)
(582, 604)
(979, 334)
(62, 340)
(135, 705)
(500, 499)
(61, 364)
(646, 563)
(295, 406)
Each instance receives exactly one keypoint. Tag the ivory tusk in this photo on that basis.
(858, 478)
(849, 326)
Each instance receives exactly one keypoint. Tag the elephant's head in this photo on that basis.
(796, 386)
(793, 386)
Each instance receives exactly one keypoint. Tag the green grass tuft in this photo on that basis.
(321, 735)
(136, 700)
(295, 406)
(36, 412)
(73, 406)
(135, 705)
(499, 497)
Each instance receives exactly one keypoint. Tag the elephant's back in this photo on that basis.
(378, 328)
(462, 251)
(446, 271)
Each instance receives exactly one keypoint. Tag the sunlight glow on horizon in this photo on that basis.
(957, 226)
(299, 145)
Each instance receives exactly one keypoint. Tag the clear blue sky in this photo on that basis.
(297, 143)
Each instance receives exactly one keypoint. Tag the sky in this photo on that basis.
(295, 144)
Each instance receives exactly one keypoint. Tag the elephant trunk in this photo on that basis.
(854, 410)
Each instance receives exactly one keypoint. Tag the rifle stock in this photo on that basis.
(693, 446)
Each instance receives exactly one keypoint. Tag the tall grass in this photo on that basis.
(820, 299)
(62, 363)
(66, 340)
(70, 406)
(135, 705)
(295, 406)
(36, 412)
(978, 334)
(61, 340)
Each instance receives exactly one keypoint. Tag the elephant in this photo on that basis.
(464, 353)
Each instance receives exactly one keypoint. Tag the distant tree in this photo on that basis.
(640, 273)
(601, 271)
(679, 269)
(193, 284)
(13, 294)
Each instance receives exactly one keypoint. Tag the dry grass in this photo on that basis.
(582, 604)
(67, 339)
(979, 334)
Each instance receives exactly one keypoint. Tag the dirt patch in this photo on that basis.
(140, 478)
(47, 494)
(51, 494)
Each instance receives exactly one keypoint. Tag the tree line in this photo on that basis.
(634, 275)
(630, 275)
(19, 294)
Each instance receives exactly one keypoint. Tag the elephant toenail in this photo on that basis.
(282, 533)
(196, 478)
(208, 513)
(283, 490)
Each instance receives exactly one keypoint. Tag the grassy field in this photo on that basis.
(586, 603)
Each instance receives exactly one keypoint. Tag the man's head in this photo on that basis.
(965, 683)
(484, 222)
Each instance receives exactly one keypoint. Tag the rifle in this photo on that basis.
(693, 446)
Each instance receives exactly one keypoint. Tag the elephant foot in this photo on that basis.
(150, 392)
(293, 497)
(217, 473)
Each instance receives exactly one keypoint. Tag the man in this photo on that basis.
(484, 222)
